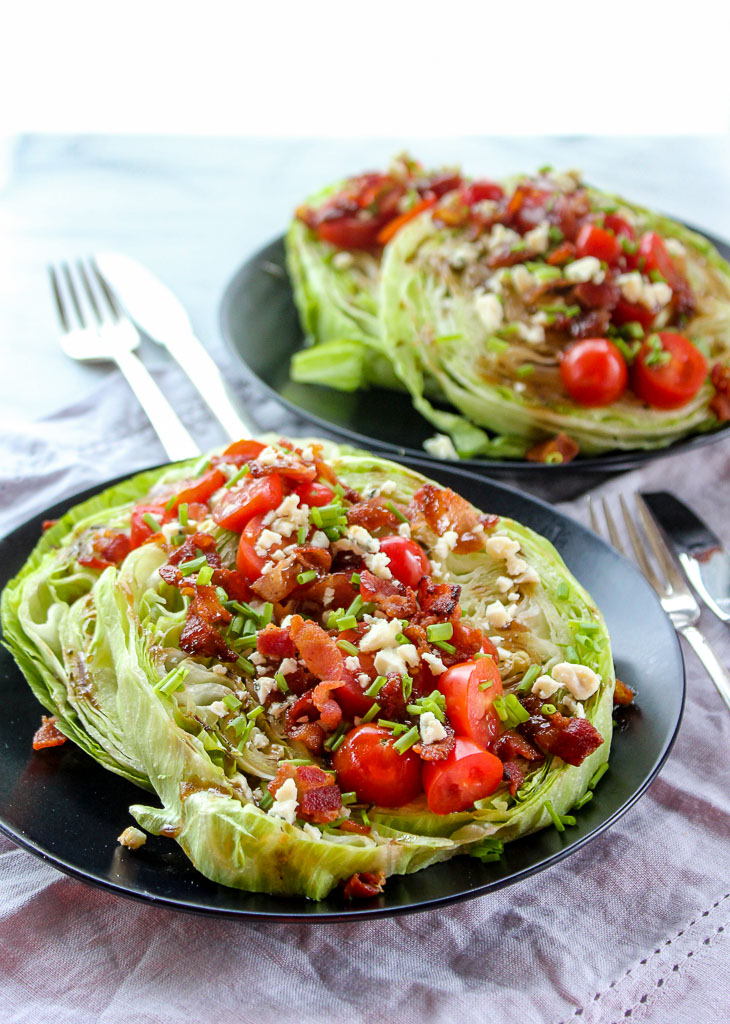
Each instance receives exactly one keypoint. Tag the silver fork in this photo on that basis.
(674, 595)
(94, 330)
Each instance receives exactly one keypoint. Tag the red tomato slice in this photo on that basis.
(594, 372)
(620, 227)
(242, 451)
(672, 384)
(349, 232)
(367, 763)
(140, 531)
(248, 563)
(312, 493)
(595, 241)
(632, 312)
(656, 258)
(260, 494)
(470, 710)
(479, 190)
(468, 774)
(408, 560)
(200, 490)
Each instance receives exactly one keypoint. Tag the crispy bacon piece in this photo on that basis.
(438, 601)
(105, 548)
(513, 773)
(275, 642)
(391, 699)
(720, 402)
(199, 635)
(189, 550)
(623, 694)
(355, 826)
(564, 253)
(561, 445)
(364, 885)
(572, 739)
(338, 582)
(372, 515)
(439, 750)
(317, 649)
(505, 256)
(441, 509)
(511, 744)
(330, 712)
(302, 724)
(569, 211)
(290, 466)
(592, 324)
(467, 640)
(597, 296)
(48, 735)
(392, 597)
(282, 580)
(318, 794)
(47, 524)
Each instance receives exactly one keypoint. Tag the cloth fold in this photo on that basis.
(635, 925)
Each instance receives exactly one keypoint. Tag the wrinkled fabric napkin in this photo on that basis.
(635, 925)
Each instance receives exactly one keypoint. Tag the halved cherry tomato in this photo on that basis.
(469, 708)
(671, 384)
(527, 206)
(467, 774)
(656, 258)
(367, 763)
(200, 490)
(620, 227)
(480, 190)
(626, 312)
(594, 372)
(242, 451)
(248, 563)
(260, 494)
(350, 232)
(408, 560)
(312, 493)
(140, 531)
(106, 548)
(595, 241)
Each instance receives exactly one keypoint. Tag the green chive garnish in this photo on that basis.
(346, 622)
(205, 575)
(407, 740)
(232, 702)
(192, 565)
(170, 504)
(151, 522)
(563, 590)
(548, 709)
(555, 817)
(515, 708)
(376, 686)
(439, 631)
(301, 535)
(355, 579)
(486, 685)
(281, 682)
(254, 713)
(529, 678)
(370, 713)
(239, 724)
(449, 648)
(306, 577)
(182, 513)
(266, 799)
(396, 511)
(586, 798)
(266, 614)
(395, 727)
(407, 684)
(349, 798)
(356, 607)
(598, 775)
(243, 471)
(245, 666)
(345, 645)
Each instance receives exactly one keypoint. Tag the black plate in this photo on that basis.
(261, 326)
(64, 807)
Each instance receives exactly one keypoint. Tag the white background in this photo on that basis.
(358, 68)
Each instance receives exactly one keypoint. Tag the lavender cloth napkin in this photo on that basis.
(636, 925)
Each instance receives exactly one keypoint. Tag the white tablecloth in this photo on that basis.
(636, 925)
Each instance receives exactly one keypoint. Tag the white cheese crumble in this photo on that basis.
(654, 295)
(352, 663)
(404, 530)
(288, 665)
(219, 670)
(342, 260)
(499, 236)
(441, 447)
(533, 334)
(397, 659)
(307, 455)
(268, 456)
(462, 255)
(538, 239)
(387, 487)
(497, 616)
(264, 685)
(434, 663)
(545, 687)
(500, 546)
(256, 657)
(382, 633)
(266, 540)
(311, 830)
(579, 679)
(286, 802)
(674, 247)
(258, 739)
(378, 565)
(489, 310)
(573, 706)
(364, 680)
(523, 280)
(446, 543)
(430, 728)
(504, 583)
(288, 517)
(328, 596)
(319, 539)
(218, 708)
(588, 268)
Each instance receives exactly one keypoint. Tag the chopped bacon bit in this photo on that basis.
(48, 735)
(318, 794)
(392, 597)
(302, 724)
(505, 256)
(561, 445)
(572, 739)
(282, 580)
(364, 885)
(592, 324)
(355, 826)
(104, 548)
(330, 712)
(289, 466)
(338, 582)
(467, 640)
(623, 694)
(372, 515)
(439, 750)
(564, 253)
(275, 642)
(720, 402)
(317, 649)
(391, 699)
(437, 600)
(48, 523)
(199, 635)
(597, 296)
(512, 773)
(442, 510)
(569, 211)
(189, 550)
(510, 745)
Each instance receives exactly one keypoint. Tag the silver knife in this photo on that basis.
(160, 314)
(701, 554)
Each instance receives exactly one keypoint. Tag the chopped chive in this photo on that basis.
(245, 666)
(295, 761)
(370, 713)
(482, 654)
(306, 577)
(346, 622)
(584, 626)
(337, 736)
(365, 819)
(247, 640)
(515, 708)
(548, 709)
(182, 513)
(555, 234)
(555, 817)
(567, 819)
(151, 522)
(449, 648)
(232, 702)
(192, 565)
(254, 713)
(236, 624)
(266, 614)
(281, 682)
(315, 516)
(376, 686)
(529, 678)
(563, 590)
(501, 709)
(355, 579)
(407, 740)
(439, 631)
(301, 535)
(396, 511)
(238, 724)
(205, 575)
(487, 685)
(170, 504)
(349, 798)
(172, 681)
(395, 727)
(356, 607)
(178, 539)
(266, 799)
(243, 471)
(345, 645)
(656, 276)
(497, 345)
(525, 370)
(585, 799)
(407, 685)
(571, 654)
(598, 775)
(338, 743)
(628, 245)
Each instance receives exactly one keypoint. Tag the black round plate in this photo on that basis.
(261, 326)
(64, 807)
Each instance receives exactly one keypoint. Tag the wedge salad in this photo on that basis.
(537, 317)
(327, 668)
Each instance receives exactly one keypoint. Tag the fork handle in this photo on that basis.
(175, 439)
(715, 669)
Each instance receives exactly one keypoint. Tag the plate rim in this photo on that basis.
(424, 466)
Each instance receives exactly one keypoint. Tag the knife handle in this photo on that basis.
(194, 359)
(715, 669)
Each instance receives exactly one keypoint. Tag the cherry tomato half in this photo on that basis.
(595, 241)
(312, 493)
(620, 227)
(626, 312)
(259, 494)
(408, 560)
(673, 383)
(242, 451)
(469, 708)
(368, 764)
(248, 563)
(140, 531)
(468, 774)
(594, 372)
(479, 190)
(200, 490)
(656, 258)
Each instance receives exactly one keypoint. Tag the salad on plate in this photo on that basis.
(323, 667)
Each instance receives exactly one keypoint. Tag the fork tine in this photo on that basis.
(612, 531)
(658, 545)
(636, 544)
(58, 297)
(105, 290)
(88, 289)
(592, 516)
(73, 293)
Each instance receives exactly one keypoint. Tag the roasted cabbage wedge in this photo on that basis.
(97, 648)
